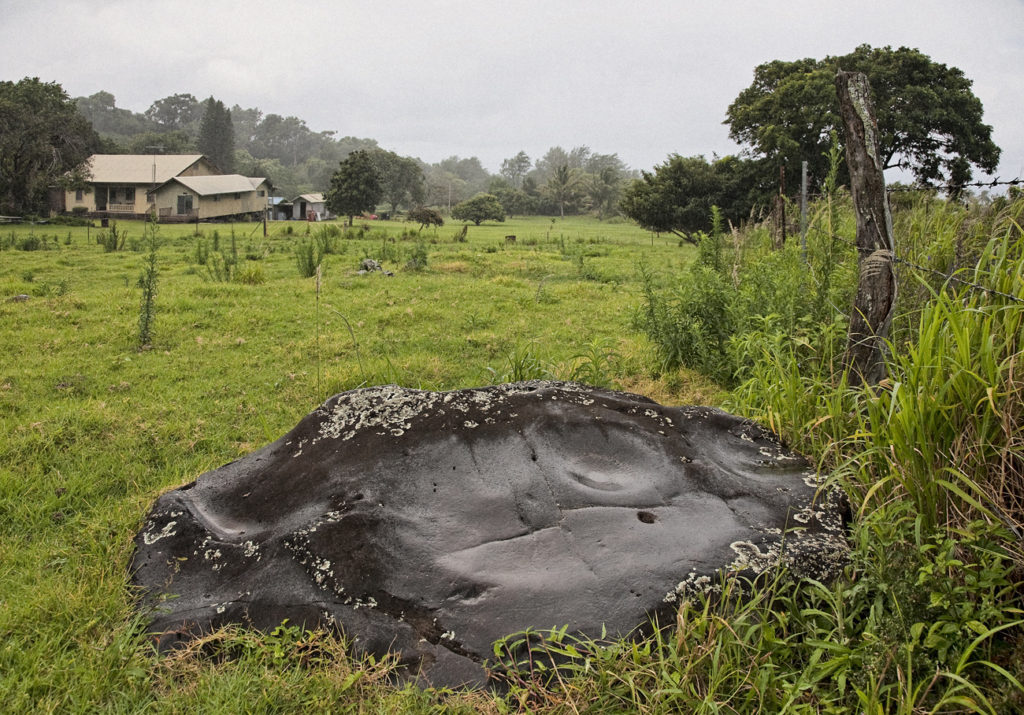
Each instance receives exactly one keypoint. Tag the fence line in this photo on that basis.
(956, 187)
(904, 261)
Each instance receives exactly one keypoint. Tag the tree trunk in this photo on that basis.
(876, 291)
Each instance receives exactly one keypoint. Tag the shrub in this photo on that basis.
(308, 256)
(425, 217)
(418, 258)
(250, 275)
(111, 239)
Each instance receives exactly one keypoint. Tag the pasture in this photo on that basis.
(246, 339)
(95, 425)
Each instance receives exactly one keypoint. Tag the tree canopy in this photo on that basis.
(178, 111)
(678, 195)
(563, 187)
(480, 208)
(401, 179)
(355, 186)
(929, 120)
(426, 216)
(42, 137)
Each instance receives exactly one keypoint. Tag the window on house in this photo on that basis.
(237, 196)
(184, 204)
(215, 197)
(129, 195)
(79, 195)
(262, 193)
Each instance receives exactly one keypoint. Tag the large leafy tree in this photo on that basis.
(217, 135)
(178, 111)
(110, 120)
(678, 195)
(480, 208)
(42, 138)
(929, 120)
(401, 179)
(355, 186)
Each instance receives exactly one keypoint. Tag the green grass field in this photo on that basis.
(928, 616)
(95, 427)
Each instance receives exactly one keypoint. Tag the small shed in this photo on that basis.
(310, 207)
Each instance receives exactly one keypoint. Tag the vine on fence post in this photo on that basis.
(876, 287)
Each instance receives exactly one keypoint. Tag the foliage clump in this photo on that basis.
(480, 208)
(426, 216)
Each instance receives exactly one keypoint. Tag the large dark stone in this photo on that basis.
(431, 524)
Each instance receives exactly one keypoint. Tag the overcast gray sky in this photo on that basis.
(644, 78)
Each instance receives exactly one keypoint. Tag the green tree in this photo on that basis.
(604, 189)
(515, 168)
(516, 202)
(401, 179)
(929, 120)
(217, 135)
(42, 137)
(480, 208)
(355, 186)
(563, 187)
(178, 111)
(176, 141)
(110, 120)
(286, 139)
(678, 195)
(425, 216)
(470, 170)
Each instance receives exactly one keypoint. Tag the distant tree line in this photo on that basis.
(929, 122)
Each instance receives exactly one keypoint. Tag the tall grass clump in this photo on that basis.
(308, 258)
(933, 461)
(912, 626)
(699, 320)
(944, 430)
(112, 239)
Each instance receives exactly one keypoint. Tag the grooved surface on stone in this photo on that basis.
(432, 524)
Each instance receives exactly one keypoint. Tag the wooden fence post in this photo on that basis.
(876, 289)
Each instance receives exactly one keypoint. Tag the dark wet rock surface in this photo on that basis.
(431, 524)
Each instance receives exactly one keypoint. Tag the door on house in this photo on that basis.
(101, 198)
(302, 210)
(184, 204)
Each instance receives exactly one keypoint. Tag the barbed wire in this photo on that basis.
(899, 259)
(956, 187)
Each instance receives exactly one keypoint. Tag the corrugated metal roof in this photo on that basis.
(310, 198)
(138, 168)
(223, 184)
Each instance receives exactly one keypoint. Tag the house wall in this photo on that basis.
(228, 204)
(116, 200)
(211, 206)
(319, 206)
(203, 167)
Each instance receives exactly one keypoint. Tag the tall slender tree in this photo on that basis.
(217, 135)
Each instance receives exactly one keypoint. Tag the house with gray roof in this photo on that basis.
(190, 198)
(178, 187)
